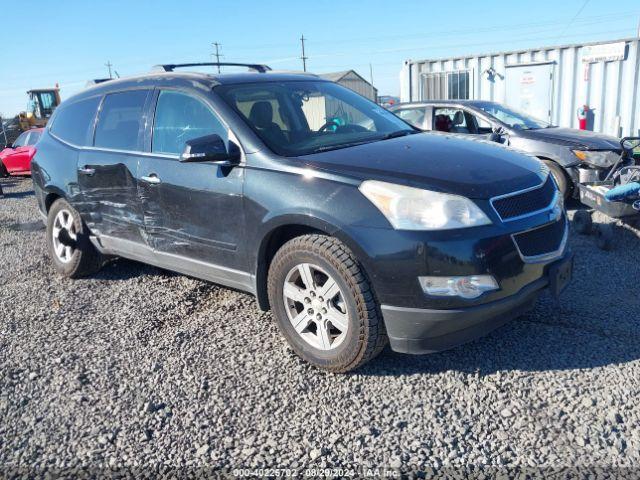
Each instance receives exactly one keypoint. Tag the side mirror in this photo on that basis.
(210, 148)
(630, 143)
(498, 133)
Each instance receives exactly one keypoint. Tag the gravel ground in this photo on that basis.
(140, 368)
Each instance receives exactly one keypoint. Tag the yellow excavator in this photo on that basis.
(42, 103)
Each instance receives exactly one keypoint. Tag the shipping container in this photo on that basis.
(551, 83)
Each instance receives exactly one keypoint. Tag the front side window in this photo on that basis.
(181, 117)
(73, 122)
(303, 117)
(21, 141)
(120, 120)
(451, 120)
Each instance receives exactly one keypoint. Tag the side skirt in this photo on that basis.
(227, 277)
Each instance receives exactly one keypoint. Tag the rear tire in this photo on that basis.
(560, 177)
(3, 171)
(72, 252)
(340, 332)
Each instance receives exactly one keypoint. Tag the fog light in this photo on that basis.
(466, 287)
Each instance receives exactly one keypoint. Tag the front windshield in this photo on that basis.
(303, 117)
(513, 118)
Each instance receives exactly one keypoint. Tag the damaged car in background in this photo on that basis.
(573, 156)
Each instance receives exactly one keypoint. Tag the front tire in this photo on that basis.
(560, 177)
(324, 304)
(72, 252)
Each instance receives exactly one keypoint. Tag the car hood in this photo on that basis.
(440, 162)
(571, 137)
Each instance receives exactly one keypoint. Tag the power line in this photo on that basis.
(574, 18)
(217, 54)
(522, 27)
(303, 57)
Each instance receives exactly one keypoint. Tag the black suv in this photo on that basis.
(350, 225)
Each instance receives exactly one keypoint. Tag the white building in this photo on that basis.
(549, 83)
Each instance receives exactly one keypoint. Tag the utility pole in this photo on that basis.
(109, 65)
(4, 133)
(217, 54)
(373, 89)
(303, 57)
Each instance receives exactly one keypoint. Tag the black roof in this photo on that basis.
(206, 81)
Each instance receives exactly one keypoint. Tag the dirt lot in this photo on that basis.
(140, 368)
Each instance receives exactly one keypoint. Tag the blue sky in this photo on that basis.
(69, 42)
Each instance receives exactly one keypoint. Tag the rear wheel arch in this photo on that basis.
(50, 198)
(51, 193)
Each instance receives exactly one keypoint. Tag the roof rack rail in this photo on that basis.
(170, 67)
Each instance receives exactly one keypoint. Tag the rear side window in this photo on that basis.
(120, 119)
(180, 117)
(73, 122)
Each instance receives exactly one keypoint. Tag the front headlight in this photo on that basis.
(598, 158)
(409, 208)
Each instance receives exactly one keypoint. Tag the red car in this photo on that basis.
(16, 160)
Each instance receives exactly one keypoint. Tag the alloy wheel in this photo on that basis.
(315, 306)
(64, 236)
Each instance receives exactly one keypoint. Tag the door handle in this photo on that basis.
(151, 178)
(87, 171)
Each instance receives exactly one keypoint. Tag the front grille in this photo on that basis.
(543, 240)
(525, 203)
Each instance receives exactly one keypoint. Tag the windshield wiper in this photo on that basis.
(341, 145)
(399, 133)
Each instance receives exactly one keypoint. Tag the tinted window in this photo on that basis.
(120, 119)
(33, 138)
(72, 122)
(180, 117)
(301, 117)
(21, 141)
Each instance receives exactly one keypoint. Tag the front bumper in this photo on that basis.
(419, 330)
